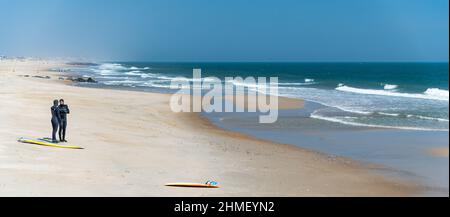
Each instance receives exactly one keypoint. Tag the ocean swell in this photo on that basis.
(429, 94)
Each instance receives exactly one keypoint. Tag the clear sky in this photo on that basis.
(231, 30)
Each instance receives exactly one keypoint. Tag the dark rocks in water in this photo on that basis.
(82, 80)
(43, 77)
(91, 80)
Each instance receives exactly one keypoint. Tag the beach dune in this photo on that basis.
(134, 144)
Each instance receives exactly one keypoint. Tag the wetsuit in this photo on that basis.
(64, 110)
(56, 118)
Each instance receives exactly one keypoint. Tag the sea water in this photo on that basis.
(410, 96)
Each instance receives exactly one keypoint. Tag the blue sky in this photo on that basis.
(233, 30)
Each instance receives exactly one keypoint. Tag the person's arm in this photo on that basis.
(58, 114)
(68, 111)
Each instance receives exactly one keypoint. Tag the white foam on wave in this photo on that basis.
(137, 73)
(436, 92)
(338, 120)
(294, 84)
(115, 77)
(309, 80)
(137, 68)
(427, 118)
(431, 93)
(147, 75)
(188, 79)
(413, 116)
(119, 67)
(247, 84)
(390, 86)
(158, 84)
(122, 82)
(166, 84)
(282, 85)
(162, 77)
(350, 110)
(112, 66)
(389, 114)
(106, 72)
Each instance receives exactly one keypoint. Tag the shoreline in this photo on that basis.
(233, 159)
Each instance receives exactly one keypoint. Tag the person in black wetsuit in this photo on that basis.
(56, 119)
(64, 110)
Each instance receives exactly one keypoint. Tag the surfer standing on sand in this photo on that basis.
(56, 119)
(64, 110)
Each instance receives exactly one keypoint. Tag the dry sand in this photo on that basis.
(134, 144)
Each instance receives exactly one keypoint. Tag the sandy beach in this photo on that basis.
(134, 144)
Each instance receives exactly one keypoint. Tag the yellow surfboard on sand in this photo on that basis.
(191, 185)
(44, 143)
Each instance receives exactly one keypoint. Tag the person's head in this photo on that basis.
(55, 102)
(61, 101)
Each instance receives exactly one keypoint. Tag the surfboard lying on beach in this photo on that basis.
(191, 185)
(44, 143)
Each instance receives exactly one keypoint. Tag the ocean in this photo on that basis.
(410, 96)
